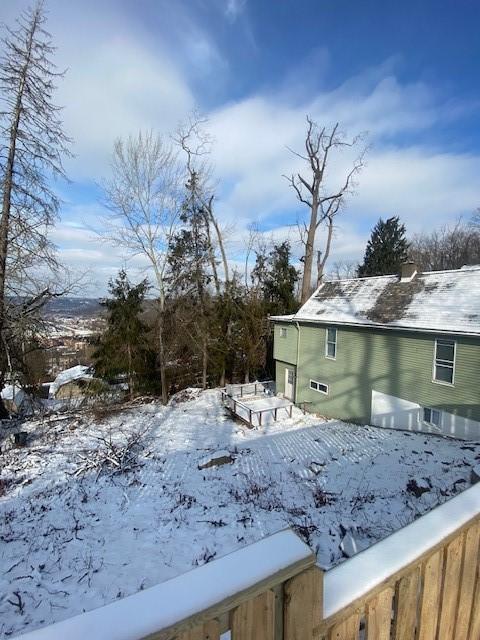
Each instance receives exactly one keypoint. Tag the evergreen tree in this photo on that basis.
(277, 278)
(386, 249)
(124, 347)
(190, 261)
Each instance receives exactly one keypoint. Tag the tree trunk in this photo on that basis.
(321, 263)
(220, 243)
(211, 255)
(309, 249)
(204, 361)
(161, 357)
(7, 194)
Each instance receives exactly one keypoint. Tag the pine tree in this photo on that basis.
(277, 278)
(386, 249)
(124, 347)
(190, 263)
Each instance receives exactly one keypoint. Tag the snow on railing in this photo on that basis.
(201, 595)
(248, 413)
(422, 581)
(250, 388)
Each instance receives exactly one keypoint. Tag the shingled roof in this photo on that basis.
(441, 301)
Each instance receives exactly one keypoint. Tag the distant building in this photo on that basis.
(71, 383)
(16, 399)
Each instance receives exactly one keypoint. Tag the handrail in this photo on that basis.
(184, 601)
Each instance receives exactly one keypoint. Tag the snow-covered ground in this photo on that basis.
(73, 538)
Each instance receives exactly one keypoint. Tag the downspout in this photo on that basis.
(296, 363)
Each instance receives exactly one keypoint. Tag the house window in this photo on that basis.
(444, 362)
(283, 332)
(331, 344)
(432, 416)
(319, 386)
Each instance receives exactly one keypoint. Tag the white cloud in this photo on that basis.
(124, 76)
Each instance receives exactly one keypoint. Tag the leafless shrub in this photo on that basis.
(113, 457)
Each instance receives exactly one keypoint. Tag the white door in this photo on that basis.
(289, 383)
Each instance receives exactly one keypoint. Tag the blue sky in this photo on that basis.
(407, 73)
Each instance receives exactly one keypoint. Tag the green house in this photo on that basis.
(399, 351)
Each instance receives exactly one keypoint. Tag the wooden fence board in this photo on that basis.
(379, 616)
(406, 606)
(467, 586)
(451, 583)
(475, 620)
(430, 598)
(207, 631)
(346, 630)
(303, 605)
(255, 619)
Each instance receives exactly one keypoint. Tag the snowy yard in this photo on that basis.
(73, 538)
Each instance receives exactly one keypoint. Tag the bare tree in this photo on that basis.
(32, 146)
(143, 196)
(343, 270)
(311, 189)
(196, 144)
(449, 247)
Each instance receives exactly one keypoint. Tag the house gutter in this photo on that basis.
(372, 325)
(298, 355)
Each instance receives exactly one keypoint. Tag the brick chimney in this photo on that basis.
(408, 271)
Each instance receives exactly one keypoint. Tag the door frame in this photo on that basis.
(290, 385)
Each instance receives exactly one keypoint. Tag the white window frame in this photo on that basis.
(431, 422)
(444, 363)
(323, 384)
(283, 332)
(327, 342)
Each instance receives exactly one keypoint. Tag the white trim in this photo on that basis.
(379, 325)
(291, 385)
(324, 384)
(327, 342)
(453, 366)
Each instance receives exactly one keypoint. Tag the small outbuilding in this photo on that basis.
(72, 383)
(16, 399)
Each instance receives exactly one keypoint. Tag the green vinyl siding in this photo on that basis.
(285, 348)
(397, 363)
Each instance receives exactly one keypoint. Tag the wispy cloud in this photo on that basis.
(125, 75)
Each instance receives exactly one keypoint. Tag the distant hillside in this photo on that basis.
(73, 307)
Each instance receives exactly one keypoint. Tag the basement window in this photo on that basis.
(319, 386)
(432, 417)
(331, 343)
(444, 361)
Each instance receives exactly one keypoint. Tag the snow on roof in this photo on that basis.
(447, 301)
(74, 373)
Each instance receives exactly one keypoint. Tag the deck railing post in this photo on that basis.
(303, 608)
(260, 419)
(291, 409)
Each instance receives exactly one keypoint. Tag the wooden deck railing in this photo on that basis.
(247, 413)
(435, 597)
(272, 590)
(250, 388)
